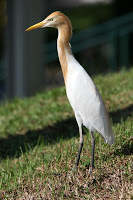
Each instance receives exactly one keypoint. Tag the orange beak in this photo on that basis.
(38, 25)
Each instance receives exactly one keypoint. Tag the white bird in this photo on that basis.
(82, 93)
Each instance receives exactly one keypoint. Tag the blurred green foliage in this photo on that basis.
(90, 15)
(2, 13)
(3, 18)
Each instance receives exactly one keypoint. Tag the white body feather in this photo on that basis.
(86, 101)
(82, 93)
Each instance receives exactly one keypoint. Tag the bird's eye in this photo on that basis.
(51, 19)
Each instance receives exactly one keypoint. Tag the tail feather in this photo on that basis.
(110, 139)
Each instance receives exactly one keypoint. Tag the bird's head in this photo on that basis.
(55, 20)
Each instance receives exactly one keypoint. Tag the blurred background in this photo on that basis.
(102, 42)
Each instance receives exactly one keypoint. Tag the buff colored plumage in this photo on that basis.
(82, 93)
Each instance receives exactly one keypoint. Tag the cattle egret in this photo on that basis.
(83, 95)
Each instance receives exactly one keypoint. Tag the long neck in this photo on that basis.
(63, 47)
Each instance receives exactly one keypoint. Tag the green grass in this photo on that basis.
(39, 143)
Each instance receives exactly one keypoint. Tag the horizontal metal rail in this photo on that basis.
(104, 33)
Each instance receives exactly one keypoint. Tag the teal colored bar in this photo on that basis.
(2, 71)
(124, 51)
(113, 60)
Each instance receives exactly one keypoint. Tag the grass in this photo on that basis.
(39, 143)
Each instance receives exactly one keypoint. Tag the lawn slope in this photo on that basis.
(39, 143)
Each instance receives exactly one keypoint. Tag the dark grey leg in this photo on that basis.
(79, 152)
(92, 153)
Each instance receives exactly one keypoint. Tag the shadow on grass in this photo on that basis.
(121, 114)
(14, 145)
(126, 149)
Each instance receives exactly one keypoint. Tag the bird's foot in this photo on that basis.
(75, 168)
(91, 169)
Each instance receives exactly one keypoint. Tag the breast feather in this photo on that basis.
(86, 100)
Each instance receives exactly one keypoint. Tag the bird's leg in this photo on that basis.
(80, 146)
(92, 153)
